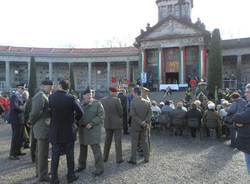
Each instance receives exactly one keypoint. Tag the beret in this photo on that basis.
(47, 82)
(113, 89)
(21, 85)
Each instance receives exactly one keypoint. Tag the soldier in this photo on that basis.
(39, 118)
(16, 119)
(90, 132)
(141, 116)
(113, 124)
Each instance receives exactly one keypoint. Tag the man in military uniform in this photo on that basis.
(90, 127)
(16, 119)
(113, 124)
(141, 116)
(39, 118)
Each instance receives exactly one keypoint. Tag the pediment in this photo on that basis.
(171, 27)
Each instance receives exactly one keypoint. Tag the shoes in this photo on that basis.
(80, 169)
(21, 154)
(72, 179)
(126, 133)
(14, 158)
(132, 162)
(105, 160)
(44, 179)
(120, 161)
(146, 161)
(97, 173)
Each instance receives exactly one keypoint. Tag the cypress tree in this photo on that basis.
(32, 79)
(71, 77)
(215, 63)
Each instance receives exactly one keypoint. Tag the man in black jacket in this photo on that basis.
(123, 98)
(242, 122)
(16, 119)
(64, 110)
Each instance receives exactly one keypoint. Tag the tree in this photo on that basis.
(71, 77)
(215, 63)
(32, 79)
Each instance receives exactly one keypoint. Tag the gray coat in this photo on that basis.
(93, 114)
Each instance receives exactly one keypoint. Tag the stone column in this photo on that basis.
(238, 75)
(50, 71)
(7, 75)
(201, 63)
(108, 73)
(160, 66)
(28, 71)
(181, 65)
(128, 70)
(89, 74)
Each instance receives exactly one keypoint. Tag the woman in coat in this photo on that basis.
(242, 122)
(90, 132)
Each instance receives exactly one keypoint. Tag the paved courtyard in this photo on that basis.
(173, 160)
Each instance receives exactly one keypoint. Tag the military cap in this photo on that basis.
(145, 89)
(47, 82)
(21, 85)
(113, 89)
(86, 91)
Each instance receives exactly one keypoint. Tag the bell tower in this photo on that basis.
(178, 8)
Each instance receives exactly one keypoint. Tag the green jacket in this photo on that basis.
(140, 111)
(113, 112)
(39, 115)
(93, 114)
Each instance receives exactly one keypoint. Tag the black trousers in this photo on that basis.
(17, 139)
(33, 146)
(57, 149)
(125, 123)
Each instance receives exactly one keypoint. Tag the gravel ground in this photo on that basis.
(173, 160)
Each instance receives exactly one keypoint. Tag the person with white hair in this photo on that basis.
(211, 119)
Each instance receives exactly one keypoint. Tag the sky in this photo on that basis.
(105, 23)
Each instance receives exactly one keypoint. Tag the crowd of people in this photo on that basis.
(53, 116)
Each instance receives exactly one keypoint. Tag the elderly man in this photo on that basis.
(40, 120)
(113, 124)
(90, 132)
(62, 134)
(16, 119)
(242, 122)
(141, 116)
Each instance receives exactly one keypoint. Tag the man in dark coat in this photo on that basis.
(113, 124)
(64, 110)
(122, 96)
(16, 119)
(242, 122)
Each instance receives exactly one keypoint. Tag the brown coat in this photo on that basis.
(113, 112)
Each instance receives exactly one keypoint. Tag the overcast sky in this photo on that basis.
(96, 23)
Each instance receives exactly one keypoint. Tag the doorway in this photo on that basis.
(172, 78)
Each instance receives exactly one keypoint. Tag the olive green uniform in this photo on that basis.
(140, 111)
(94, 115)
(39, 118)
(113, 125)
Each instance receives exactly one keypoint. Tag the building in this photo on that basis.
(170, 52)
